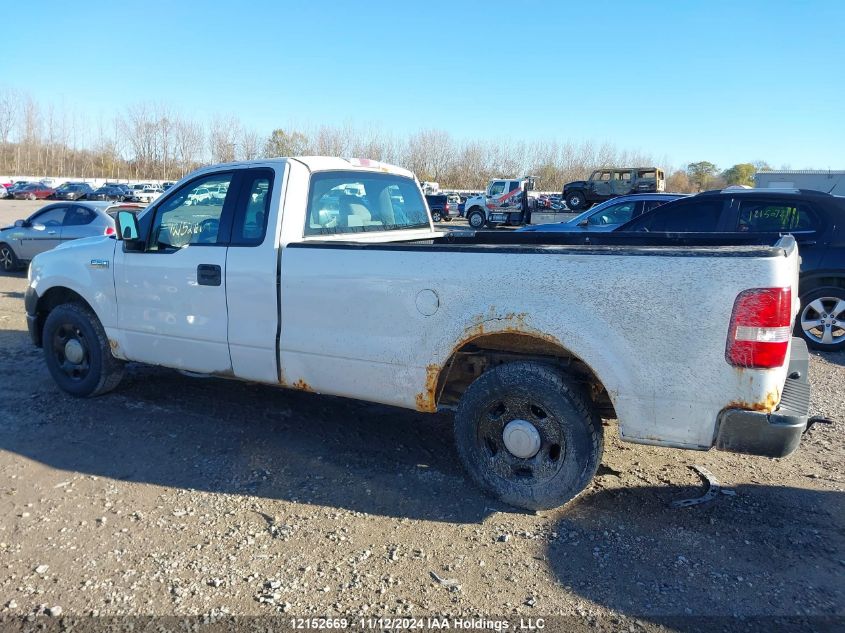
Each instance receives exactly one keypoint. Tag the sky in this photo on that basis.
(726, 82)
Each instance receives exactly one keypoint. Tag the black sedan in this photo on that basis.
(73, 191)
(107, 193)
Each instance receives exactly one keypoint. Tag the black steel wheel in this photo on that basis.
(77, 352)
(528, 436)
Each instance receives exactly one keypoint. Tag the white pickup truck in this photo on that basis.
(291, 281)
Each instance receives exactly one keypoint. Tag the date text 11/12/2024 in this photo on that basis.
(425, 623)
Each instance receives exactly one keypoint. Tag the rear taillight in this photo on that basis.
(760, 328)
(109, 230)
(446, 208)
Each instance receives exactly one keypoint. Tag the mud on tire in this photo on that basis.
(569, 431)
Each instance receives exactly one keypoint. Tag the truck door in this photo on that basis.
(171, 295)
(622, 181)
(496, 190)
(601, 184)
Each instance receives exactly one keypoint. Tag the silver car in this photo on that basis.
(50, 226)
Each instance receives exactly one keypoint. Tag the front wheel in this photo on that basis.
(476, 219)
(528, 436)
(77, 352)
(576, 201)
(8, 260)
(822, 319)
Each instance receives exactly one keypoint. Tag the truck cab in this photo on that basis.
(499, 204)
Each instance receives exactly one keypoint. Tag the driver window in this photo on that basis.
(191, 216)
(51, 217)
(497, 188)
(614, 214)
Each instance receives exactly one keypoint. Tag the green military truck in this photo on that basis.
(610, 182)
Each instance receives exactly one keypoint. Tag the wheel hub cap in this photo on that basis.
(74, 352)
(521, 439)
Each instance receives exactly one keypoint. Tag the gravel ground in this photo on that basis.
(184, 496)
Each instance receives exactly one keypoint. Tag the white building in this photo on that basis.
(816, 179)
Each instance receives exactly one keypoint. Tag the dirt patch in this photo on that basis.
(177, 495)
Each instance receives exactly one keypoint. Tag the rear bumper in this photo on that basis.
(775, 434)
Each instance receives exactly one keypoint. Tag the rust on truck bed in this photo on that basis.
(513, 335)
(766, 405)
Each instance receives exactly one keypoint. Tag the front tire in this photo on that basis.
(476, 219)
(8, 260)
(821, 321)
(528, 436)
(576, 200)
(77, 352)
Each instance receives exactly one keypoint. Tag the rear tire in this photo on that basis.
(821, 322)
(77, 352)
(524, 400)
(436, 216)
(8, 260)
(576, 201)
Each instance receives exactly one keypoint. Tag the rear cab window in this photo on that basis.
(342, 202)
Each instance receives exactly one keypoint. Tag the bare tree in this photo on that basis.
(249, 145)
(223, 139)
(189, 140)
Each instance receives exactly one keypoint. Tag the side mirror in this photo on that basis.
(127, 226)
(583, 223)
(19, 224)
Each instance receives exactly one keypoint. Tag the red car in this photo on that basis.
(35, 191)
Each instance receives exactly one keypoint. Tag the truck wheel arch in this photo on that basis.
(56, 296)
(472, 357)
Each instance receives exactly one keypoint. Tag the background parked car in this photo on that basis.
(815, 219)
(73, 191)
(441, 210)
(34, 191)
(607, 183)
(609, 214)
(136, 190)
(50, 226)
(107, 193)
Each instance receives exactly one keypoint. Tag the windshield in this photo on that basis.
(354, 202)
